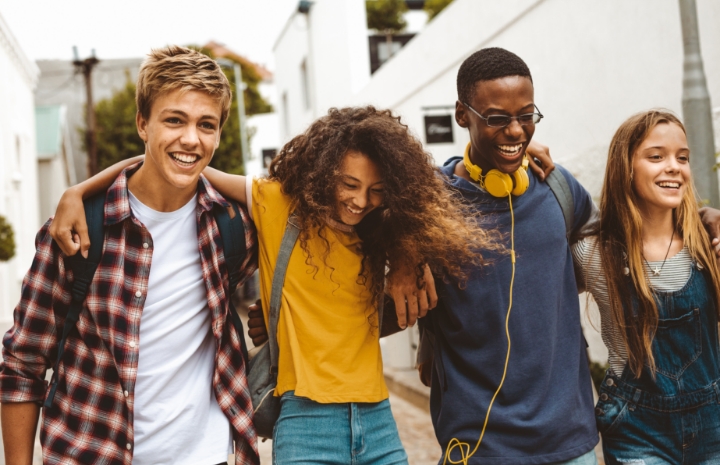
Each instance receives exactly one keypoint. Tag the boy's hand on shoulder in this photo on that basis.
(68, 227)
(711, 220)
(256, 324)
(413, 297)
(542, 153)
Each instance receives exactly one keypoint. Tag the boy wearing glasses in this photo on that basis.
(544, 411)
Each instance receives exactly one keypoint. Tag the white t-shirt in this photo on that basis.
(177, 418)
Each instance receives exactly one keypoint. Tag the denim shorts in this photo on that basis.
(311, 433)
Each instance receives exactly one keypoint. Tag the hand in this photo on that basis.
(256, 324)
(413, 298)
(69, 228)
(542, 153)
(711, 220)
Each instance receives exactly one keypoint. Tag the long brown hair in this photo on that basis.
(420, 220)
(621, 239)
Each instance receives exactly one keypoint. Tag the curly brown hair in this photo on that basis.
(420, 221)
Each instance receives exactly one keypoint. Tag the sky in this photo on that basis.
(48, 29)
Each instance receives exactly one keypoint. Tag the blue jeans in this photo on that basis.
(311, 433)
(586, 459)
(673, 417)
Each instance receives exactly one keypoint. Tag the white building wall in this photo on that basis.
(593, 64)
(18, 166)
(332, 40)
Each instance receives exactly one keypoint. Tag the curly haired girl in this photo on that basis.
(367, 199)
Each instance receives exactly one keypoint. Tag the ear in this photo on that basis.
(461, 115)
(141, 124)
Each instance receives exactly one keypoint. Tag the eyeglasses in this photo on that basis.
(500, 121)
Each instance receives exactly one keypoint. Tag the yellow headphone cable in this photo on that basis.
(464, 447)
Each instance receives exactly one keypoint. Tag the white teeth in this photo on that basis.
(183, 158)
(510, 149)
(353, 211)
(674, 185)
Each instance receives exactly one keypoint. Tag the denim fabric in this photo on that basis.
(585, 459)
(675, 417)
(311, 433)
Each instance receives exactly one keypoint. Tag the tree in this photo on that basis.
(117, 137)
(386, 17)
(434, 7)
(7, 240)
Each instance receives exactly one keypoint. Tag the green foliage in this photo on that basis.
(434, 7)
(386, 16)
(117, 137)
(228, 156)
(7, 240)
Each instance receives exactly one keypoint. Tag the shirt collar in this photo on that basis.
(117, 201)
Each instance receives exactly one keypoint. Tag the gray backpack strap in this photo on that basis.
(286, 247)
(561, 189)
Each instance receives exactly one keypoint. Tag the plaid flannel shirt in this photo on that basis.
(91, 420)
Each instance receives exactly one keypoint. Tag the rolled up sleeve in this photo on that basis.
(29, 347)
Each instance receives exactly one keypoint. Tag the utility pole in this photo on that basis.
(697, 111)
(86, 67)
(240, 98)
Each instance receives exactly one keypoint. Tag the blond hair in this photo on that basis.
(174, 67)
(621, 239)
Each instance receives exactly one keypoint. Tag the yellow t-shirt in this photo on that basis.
(327, 330)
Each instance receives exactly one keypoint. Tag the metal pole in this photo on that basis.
(697, 110)
(86, 67)
(240, 96)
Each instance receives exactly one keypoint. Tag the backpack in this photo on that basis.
(232, 232)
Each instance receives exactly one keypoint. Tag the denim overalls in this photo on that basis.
(675, 418)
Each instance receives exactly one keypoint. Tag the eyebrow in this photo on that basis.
(357, 180)
(662, 147)
(505, 111)
(182, 113)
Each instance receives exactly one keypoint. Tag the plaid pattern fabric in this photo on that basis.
(91, 420)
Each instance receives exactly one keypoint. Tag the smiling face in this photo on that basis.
(661, 169)
(181, 135)
(359, 189)
(493, 147)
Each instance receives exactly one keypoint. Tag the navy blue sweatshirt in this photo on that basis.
(544, 412)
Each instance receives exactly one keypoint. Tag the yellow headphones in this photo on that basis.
(497, 183)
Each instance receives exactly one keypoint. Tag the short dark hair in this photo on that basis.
(486, 65)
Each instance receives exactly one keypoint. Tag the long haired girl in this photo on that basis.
(655, 278)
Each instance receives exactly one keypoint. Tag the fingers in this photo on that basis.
(82, 232)
(430, 287)
(423, 306)
(412, 308)
(537, 169)
(258, 335)
(400, 307)
(68, 242)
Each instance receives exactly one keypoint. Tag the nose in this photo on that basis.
(189, 137)
(514, 129)
(673, 165)
(361, 200)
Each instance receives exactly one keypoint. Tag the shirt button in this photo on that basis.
(138, 294)
(145, 245)
(610, 382)
(603, 397)
(126, 393)
(132, 344)
(128, 446)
